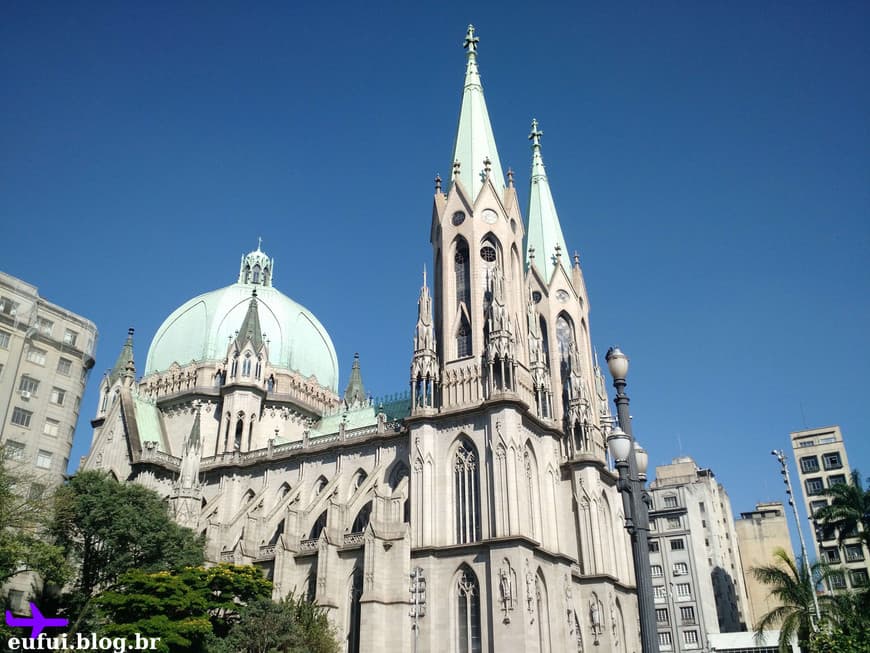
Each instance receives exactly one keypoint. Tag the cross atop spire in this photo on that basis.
(536, 134)
(471, 42)
(259, 243)
(125, 358)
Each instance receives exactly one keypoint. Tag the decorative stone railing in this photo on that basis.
(308, 545)
(353, 539)
(228, 556)
(267, 551)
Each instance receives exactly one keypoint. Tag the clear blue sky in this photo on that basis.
(709, 161)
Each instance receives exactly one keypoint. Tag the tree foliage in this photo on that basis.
(849, 509)
(24, 546)
(288, 626)
(186, 609)
(106, 529)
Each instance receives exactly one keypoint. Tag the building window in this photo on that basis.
(21, 417)
(4, 339)
(70, 337)
(701, 506)
(836, 479)
(45, 326)
(814, 485)
(362, 519)
(665, 640)
(653, 546)
(28, 386)
(690, 636)
(854, 552)
(16, 601)
(659, 592)
(837, 580)
(832, 460)
(51, 427)
(57, 396)
(8, 307)
(64, 365)
(678, 544)
(467, 614)
(687, 614)
(673, 523)
(466, 494)
(662, 616)
(246, 364)
(43, 459)
(36, 491)
(806, 443)
(13, 450)
(681, 569)
(657, 571)
(684, 590)
(831, 554)
(809, 464)
(354, 609)
(670, 501)
(461, 274)
(463, 338)
(36, 355)
(858, 577)
(815, 506)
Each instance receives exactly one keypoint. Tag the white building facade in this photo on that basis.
(489, 482)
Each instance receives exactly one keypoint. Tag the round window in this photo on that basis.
(562, 295)
(536, 296)
(487, 253)
(458, 218)
(490, 216)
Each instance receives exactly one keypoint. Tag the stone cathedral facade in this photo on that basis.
(487, 489)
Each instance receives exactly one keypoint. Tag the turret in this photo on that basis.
(424, 364)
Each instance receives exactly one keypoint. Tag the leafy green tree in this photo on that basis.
(106, 528)
(846, 628)
(24, 543)
(794, 586)
(187, 609)
(849, 508)
(288, 626)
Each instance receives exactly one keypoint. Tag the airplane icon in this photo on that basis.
(36, 622)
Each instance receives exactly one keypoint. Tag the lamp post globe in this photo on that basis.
(619, 444)
(617, 363)
(641, 459)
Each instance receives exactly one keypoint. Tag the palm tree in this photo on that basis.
(794, 586)
(849, 509)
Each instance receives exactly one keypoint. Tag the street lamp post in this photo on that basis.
(631, 464)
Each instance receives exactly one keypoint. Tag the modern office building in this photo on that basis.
(697, 572)
(760, 532)
(46, 353)
(820, 457)
(488, 484)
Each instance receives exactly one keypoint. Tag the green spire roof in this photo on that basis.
(474, 140)
(251, 326)
(355, 392)
(125, 358)
(544, 233)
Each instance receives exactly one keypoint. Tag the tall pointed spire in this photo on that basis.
(125, 358)
(251, 326)
(544, 232)
(475, 142)
(355, 393)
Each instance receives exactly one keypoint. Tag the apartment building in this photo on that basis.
(697, 572)
(820, 456)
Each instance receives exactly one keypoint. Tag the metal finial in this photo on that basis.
(471, 41)
(487, 166)
(536, 134)
(456, 165)
(576, 258)
(437, 183)
(424, 275)
(259, 242)
(510, 177)
(531, 253)
(558, 251)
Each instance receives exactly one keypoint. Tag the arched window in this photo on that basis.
(533, 484)
(565, 336)
(466, 493)
(543, 615)
(463, 337)
(397, 474)
(247, 274)
(354, 610)
(259, 369)
(277, 534)
(362, 519)
(358, 479)
(256, 274)
(240, 427)
(311, 585)
(248, 497)
(283, 491)
(461, 273)
(319, 486)
(467, 613)
(545, 341)
(246, 365)
(318, 527)
(235, 368)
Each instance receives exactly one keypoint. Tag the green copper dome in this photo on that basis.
(202, 328)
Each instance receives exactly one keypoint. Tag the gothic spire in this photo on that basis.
(355, 392)
(124, 364)
(475, 142)
(251, 326)
(544, 232)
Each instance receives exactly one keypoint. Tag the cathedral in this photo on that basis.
(477, 513)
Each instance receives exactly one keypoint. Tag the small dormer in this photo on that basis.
(256, 268)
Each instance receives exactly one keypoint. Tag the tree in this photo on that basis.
(847, 626)
(24, 544)
(106, 528)
(288, 626)
(187, 609)
(794, 586)
(849, 508)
